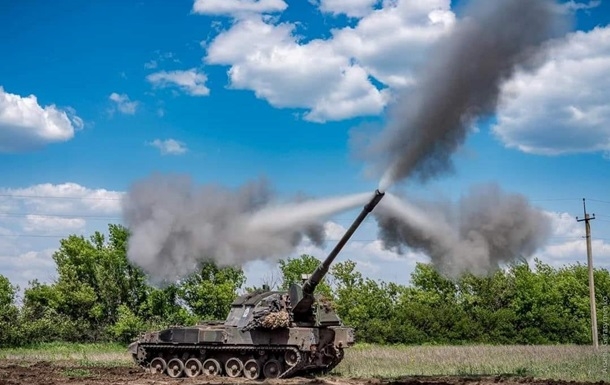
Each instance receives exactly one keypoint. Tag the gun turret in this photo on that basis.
(302, 298)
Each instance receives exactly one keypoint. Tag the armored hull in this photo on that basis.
(259, 339)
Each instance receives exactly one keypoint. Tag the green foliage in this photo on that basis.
(127, 326)
(9, 314)
(210, 291)
(100, 296)
(293, 269)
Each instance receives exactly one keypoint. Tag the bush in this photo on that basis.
(127, 326)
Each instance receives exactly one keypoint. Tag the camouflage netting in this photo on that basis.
(272, 316)
(280, 319)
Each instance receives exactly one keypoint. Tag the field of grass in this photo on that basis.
(564, 362)
(579, 363)
(71, 354)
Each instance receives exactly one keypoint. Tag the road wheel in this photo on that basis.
(272, 369)
(175, 367)
(192, 367)
(157, 365)
(211, 367)
(233, 367)
(291, 357)
(252, 369)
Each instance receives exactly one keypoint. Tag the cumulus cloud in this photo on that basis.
(349, 74)
(568, 244)
(27, 266)
(562, 107)
(169, 146)
(237, 7)
(123, 104)
(189, 81)
(267, 59)
(32, 220)
(393, 41)
(64, 199)
(35, 223)
(26, 125)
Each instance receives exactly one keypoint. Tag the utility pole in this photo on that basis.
(591, 282)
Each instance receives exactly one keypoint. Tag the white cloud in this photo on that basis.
(267, 59)
(390, 42)
(569, 252)
(573, 6)
(52, 224)
(65, 198)
(333, 230)
(123, 104)
(190, 81)
(26, 125)
(352, 8)
(32, 220)
(237, 7)
(330, 78)
(564, 225)
(568, 245)
(161, 58)
(27, 266)
(374, 250)
(169, 146)
(563, 106)
(150, 64)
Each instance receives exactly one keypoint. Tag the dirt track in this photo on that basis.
(42, 373)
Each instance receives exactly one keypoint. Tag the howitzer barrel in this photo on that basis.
(310, 285)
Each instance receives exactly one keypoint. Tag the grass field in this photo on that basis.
(579, 363)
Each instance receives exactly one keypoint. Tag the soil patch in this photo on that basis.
(47, 373)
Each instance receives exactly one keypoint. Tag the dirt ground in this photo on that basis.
(45, 373)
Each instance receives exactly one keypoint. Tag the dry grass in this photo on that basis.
(578, 363)
(557, 362)
(75, 354)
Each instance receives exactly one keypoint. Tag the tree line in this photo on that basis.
(99, 295)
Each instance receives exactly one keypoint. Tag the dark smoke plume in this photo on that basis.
(460, 83)
(175, 225)
(486, 229)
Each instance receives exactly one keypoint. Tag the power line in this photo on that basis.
(554, 199)
(600, 201)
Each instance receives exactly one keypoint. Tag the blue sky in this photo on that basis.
(228, 91)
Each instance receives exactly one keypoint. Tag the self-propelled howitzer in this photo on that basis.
(267, 334)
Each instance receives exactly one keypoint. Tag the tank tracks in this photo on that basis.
(230, 361)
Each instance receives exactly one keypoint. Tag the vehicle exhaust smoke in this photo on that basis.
(484, 230)
(459, 84)
(174, 225)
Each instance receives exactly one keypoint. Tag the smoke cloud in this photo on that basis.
(459, 84)
(484, 230)
(175, 225)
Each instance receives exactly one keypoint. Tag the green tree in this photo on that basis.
(163, 308)
(94, 280)
(293, 268)
(8, 312)
(210, 291)
(486, 301)
(365, 304)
